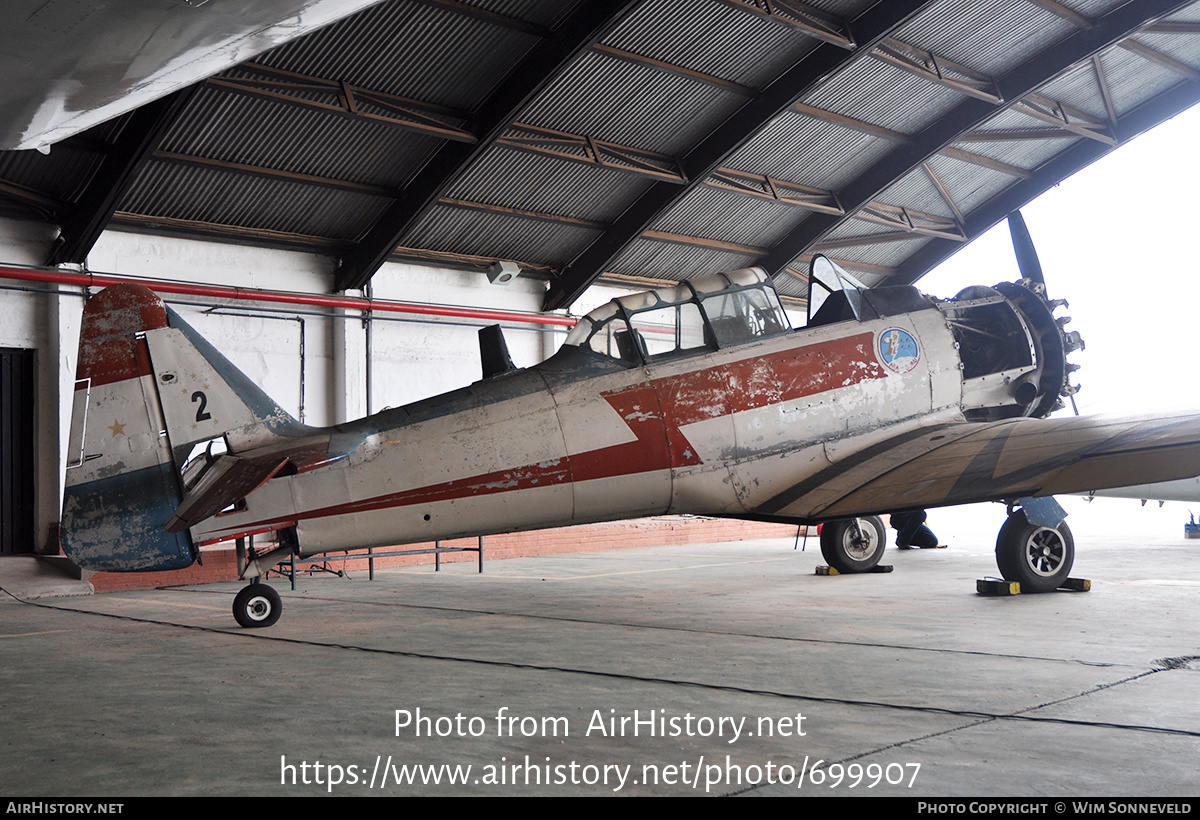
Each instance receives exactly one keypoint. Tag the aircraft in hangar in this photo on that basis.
(698, 398)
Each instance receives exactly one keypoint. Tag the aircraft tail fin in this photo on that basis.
(150, 393)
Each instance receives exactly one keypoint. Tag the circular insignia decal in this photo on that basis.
(898, 350)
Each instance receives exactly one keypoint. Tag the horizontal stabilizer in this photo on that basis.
(232, 476)
(227, 480)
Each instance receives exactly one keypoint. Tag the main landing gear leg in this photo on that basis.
(1037, 556)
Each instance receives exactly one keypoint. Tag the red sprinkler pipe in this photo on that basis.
(101, 280)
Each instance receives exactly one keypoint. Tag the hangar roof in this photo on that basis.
(650, 140)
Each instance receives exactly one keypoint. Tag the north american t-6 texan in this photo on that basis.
(698, 398)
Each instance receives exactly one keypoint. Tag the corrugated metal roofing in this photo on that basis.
(519, 179)
(618, 101)
(502, 236)
(674, 261)
(299, 140)
(754, 51)
(414, 50)
(965, 32)
(883, 94)
(576, 137)
(811, 151)
(729, 217)
(250, 202)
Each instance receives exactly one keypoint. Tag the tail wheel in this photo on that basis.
(1039, 558)
(853, 544)
(257, 605)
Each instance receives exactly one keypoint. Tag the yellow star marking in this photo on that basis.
(117, 428)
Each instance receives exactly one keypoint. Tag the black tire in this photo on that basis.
(1039, 558)
(850, 548)
(256, 606)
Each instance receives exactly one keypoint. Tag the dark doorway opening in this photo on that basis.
(16, 451)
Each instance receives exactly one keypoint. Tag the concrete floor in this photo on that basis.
(911, 676)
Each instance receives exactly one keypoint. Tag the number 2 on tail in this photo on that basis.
(201, 415)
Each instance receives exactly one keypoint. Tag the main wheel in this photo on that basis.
(1040, 558)
(853, 544)
(257, 605)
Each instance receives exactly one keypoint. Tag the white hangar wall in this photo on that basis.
(322, 364)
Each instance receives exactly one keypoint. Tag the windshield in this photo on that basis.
(705, 314)
(833, 294)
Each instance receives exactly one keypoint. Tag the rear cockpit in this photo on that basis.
(710, 313)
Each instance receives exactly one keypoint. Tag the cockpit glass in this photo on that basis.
(709, 313)
(669, 329)
(826, 281)
(613, 339)
(737, 316)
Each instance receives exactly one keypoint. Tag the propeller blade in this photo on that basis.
(1027, 258)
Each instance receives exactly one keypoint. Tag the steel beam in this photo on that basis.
(590, 151)
(675, 70)
(285, 88)
(868, 29)
(703, 242)
(42, 203)
(274, 173)
(537, 216)
(1018, 135)
(235, 234)
(800, 17)
(1068, 118)
(912, 221)
(853, 124)
(142, 134)
(763, 186)
(935, 69)
(1025, 79)
(1062, 11)
(1158, 58)
(490, 17)
(1083, 153)
(945, 194)
(585, 27)
(865, 239)
(986, 162)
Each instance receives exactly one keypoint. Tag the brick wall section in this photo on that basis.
(221, 564)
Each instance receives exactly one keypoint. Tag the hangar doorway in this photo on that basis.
(16, 451)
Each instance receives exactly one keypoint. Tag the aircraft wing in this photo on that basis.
(967, 463)
(1187, 490)
(70, 65)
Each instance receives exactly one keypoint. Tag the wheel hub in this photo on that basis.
(1045, 551)
(259, 608)
(860, 541)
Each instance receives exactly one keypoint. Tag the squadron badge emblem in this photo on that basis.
(898, 350)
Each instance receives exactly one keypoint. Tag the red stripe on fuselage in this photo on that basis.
(764, 380)
(655, 413)
(750, 384)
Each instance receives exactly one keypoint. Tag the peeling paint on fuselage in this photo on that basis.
(700, 417)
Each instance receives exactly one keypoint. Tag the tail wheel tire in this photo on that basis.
(1039, 558)
(853, 544)
(257, 605)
